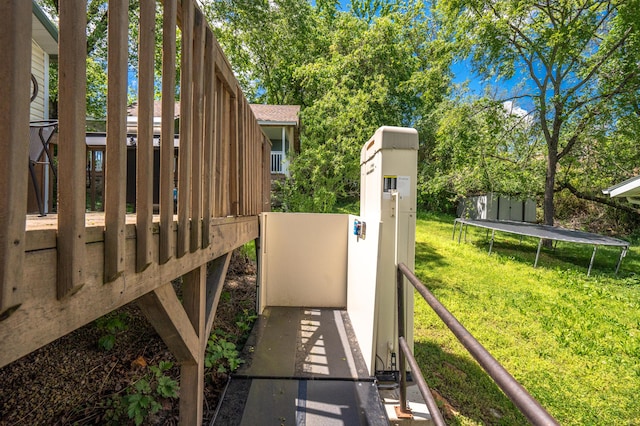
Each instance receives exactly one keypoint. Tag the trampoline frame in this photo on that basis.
(550, 233)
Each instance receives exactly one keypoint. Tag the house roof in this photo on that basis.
(630, 188)
(276, 114)
(132, 110)
(44, 32)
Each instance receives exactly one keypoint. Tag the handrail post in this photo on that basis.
(401, 331)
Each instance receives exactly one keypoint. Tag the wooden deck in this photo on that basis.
(62, 271)
(42, 318)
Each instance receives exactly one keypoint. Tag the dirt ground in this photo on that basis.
(73, 381)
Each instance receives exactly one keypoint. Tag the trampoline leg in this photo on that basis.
(623, 253)
(465, 233)
(455, 222)
(535, 265)
(460, 232)
(592, 257)
(493, 232)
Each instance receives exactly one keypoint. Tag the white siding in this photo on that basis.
(39, 70)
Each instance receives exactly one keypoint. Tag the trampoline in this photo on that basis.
(543, 232)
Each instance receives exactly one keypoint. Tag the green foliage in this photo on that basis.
(97, 20)
(265, 41)
(245, 320)
(221, 355)
(110, 325)
(570, 340)
(141, 398)
(575, 62)
(351, 72)
(248, 251)
(479, 147)
(373, 75)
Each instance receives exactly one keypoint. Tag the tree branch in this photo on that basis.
(598, 64)
(598, 199)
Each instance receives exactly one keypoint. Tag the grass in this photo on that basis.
(572, 341)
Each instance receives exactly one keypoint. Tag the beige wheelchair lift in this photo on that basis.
(388, 174)
(327, 302)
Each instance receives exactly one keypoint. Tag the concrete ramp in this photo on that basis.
(304, 367)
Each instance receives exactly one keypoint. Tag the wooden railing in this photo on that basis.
(60, 272)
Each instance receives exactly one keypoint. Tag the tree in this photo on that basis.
(576, 59)
(265, 41)
(97, 20)
(480, 145)
(375, 73)
(351, 72)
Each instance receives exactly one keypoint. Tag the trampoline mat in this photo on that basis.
(545, 232)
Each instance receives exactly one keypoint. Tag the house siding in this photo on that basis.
(38, 67)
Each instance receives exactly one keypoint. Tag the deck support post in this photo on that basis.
(194, 286)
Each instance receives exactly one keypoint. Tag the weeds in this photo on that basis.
(142, 398)
(111, 325)
(221, 355)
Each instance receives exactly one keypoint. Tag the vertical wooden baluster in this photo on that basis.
(186, 109)
(226, 125)
(15, 60)
(233, 155)
(167, 248)
(250, 138)
(116, 161)
(218, 149)
(197, 130)
(251, 161)
(209, 122)
(242, 166)
(144, 158)
(247, 166)
(72, 92)
(254, 164)
(264, 184)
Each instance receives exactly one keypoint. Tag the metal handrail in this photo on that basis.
(528, 405)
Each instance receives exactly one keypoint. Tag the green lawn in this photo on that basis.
(572, 341)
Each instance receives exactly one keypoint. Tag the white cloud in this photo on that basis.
(511, 108)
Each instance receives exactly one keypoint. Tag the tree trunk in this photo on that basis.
(549, 186)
